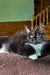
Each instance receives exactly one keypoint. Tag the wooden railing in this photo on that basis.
(42, 17)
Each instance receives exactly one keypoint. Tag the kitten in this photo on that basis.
(23, 44)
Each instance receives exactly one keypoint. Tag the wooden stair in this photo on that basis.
(47, 30)
(42, 17)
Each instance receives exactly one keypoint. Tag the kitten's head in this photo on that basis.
(36, 35)
(31, 35)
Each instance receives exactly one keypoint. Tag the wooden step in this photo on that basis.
(47, 29)
(49, 22)
(48, 35)
(47, 26)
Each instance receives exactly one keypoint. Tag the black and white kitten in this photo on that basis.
(25, 44)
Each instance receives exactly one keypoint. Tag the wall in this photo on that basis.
(16, 10)
(45, 3)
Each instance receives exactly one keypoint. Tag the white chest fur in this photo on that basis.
(38, 48)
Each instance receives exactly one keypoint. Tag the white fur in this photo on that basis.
(3, 49)
(37, 47)
(33, 56)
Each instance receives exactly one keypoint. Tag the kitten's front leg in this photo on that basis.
(3, 49)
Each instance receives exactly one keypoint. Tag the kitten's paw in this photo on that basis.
(33, 56)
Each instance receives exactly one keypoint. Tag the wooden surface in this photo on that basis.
(9, 28)
(47, 31)
(43, 18)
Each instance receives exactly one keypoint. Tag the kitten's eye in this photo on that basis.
(31, 36)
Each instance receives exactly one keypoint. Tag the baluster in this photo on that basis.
(40, 19)
(47, 16)
(36, 22)
(32, 22)
(43, 17)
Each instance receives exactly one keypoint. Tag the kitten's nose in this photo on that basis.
(34, 41)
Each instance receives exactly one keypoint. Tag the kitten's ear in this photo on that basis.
(41, 28)
(27, 30)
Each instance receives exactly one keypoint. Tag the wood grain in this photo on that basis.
(9, 28)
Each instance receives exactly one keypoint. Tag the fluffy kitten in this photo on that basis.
(26, 44)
